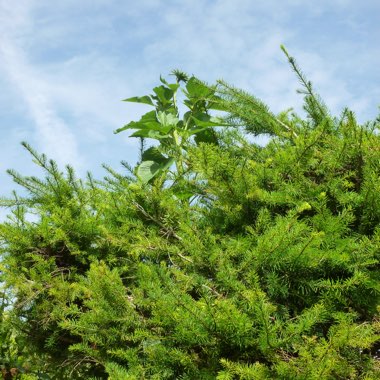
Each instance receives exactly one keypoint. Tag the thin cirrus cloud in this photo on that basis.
(51, 130)
(65, 66)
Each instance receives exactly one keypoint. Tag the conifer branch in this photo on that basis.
(315, 100)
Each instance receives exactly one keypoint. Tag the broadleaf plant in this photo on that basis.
(172, 132)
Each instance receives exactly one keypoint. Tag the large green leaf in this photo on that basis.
(150, 133)
(204, 120)
(154, 154)
(140, 99)
(196, 89)
(164, 94)
(149, 126)
(172, 86)
(167, 119)
(147, 121)
(147, 170)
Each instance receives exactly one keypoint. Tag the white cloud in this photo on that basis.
(53, 135)
(73, 61)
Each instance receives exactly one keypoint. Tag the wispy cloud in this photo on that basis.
(72, 61)
(240, 41)
(51, 132)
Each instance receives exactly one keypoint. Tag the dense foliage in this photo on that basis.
(214, 258)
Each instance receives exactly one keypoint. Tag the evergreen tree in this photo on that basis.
(213, 258)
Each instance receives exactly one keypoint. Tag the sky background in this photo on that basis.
(65, 66)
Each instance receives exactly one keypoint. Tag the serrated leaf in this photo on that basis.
(147, 170)
(163, 80)
(167, 119)
(149, 133)
(204, 120)
(140, 99)
(147, 121)
(196, 89)
(195, 130)
(188, 103)
(153, 154)
(164, 94)
(172, 86)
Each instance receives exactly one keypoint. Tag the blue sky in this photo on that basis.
(65, 66)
